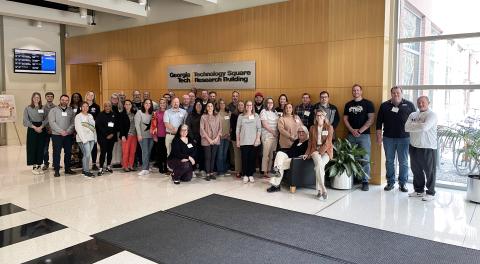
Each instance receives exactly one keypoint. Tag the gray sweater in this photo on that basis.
(33, 114)
(247, 128)
(61, 120)
(142, 120)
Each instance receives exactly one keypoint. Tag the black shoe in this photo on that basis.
(207, 178)
(69, 171)
(45, 167)
(213, 177)
(273, 189)
(108, 169)
(117, 166)
(365, 186)
(57, 174)
(100, 172)
(403, 188)
(94, 167)
(176, 182)
(88, 174)
(389, 187)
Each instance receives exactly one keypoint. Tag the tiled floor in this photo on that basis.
(87, 206)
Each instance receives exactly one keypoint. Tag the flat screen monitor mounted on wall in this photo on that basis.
(34, 61)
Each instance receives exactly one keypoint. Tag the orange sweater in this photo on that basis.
(327, 145)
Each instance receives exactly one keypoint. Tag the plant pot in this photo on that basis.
(473, 188)
(342, 182)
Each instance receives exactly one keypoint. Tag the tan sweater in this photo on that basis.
(288, 126)
(210, 126)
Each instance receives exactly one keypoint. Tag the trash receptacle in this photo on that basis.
(473, 188)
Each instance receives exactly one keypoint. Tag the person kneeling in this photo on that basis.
(284, 158)
(181, 158)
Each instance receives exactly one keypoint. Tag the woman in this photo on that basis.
(76, 103)
(182, 156)
(224, 115)
(288, 126)
(143, 119)
(269, 119)
(210, 131)
(193, 122)
(159, 133)
(284, 158)
(86, 136)
(107, 127)
(237, 156)
(282, 102)
(248, 137)
(117, 108)
(94, 110)
(35, 119)
(128, 135)
(320, 149)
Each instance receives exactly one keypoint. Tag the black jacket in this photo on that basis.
(180, 150)
(295, 150)
(124, 124)
(94, 110)
(101, 124)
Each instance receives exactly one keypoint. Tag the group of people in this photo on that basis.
(205, 134)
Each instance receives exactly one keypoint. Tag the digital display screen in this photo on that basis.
(34, 61)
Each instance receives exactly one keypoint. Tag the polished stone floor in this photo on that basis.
(83, 206)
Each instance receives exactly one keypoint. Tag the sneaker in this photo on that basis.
(365, 186)
(94, 167)
(88, 174)
(45, 167)
(207, 178)
(273, 188)
(35, 171)
(251, 179)
(213, 177)
(176, 182)
(319, 195)
(69, 171)
(100, 172)
(403, 188)
(416, 194)
(57, 173)
(245, 179)
(39, 169)
(428, 197)
(109, 169)
(389, 187)
(325, 196)
(143, 172)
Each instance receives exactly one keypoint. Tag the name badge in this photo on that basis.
(395, 109)
(251, 117)
(64, 114)
(93, 110)
(181, 115)
(299, 144)
(324, 133)
(227, 117)
(75, 110)
(40, 111)
(189, 145)
(306, 113)
(280, 114)
(110, 124)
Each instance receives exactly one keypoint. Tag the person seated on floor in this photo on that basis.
(182, 156)
(284, 158)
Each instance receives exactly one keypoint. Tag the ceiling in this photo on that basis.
(91, 16)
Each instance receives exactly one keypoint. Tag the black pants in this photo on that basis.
(35, 146)
(161, 152)
(60, 142)
(248, 160)
(94, 153)
(423, 164)
(106, 149)
(210, 157)
(182, 171)
(138, 155)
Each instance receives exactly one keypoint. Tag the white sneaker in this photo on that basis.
(245, 179)
(251, 179)
(428, 198)
(143, 173)
(416, 194)
(40, 171)
(35, 171)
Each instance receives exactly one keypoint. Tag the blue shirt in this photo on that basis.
(175, 117)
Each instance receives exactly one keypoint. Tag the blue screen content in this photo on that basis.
(48, 63)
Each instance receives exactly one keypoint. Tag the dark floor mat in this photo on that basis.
(340, 240)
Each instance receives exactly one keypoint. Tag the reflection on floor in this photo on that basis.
(87, 206)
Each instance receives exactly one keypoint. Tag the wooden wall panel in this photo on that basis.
(299, 46)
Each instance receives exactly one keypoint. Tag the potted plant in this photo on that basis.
(465, 144)
(346, 164)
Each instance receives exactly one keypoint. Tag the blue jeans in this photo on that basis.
(363, 141)
(146, 145)
(222, 165)
(400, 147)
(87, 151)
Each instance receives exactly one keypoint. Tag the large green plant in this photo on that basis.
(347, 157)
(462, 139)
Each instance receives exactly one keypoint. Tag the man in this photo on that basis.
(358, 116)
(194, 91)
(422, 126)
(137, 100)
(186, 104)
(173, 119)
(122, 97)
(332, 112)
(258, 107)
(392, 115)
(49, 96)
(233, 105)
(212, 97)
(192, 98)
(169, 100)
(61, 121)
(204, 99)
(146, 95)
(171, 93)
(305, 111)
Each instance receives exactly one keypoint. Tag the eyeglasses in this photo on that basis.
(300, 131)
(323, 97)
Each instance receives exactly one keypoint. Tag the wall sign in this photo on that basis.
(232, 75)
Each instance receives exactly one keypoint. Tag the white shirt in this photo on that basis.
(422, 127)
(85, 127)
(272, 121)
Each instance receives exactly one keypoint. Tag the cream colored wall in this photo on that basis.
(18, 33)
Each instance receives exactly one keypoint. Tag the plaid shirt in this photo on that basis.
(306, 114)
